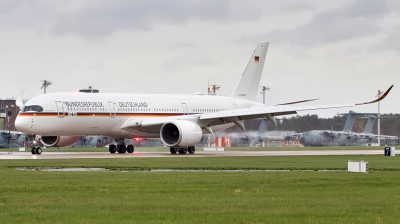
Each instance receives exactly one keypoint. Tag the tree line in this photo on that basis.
(389, 126)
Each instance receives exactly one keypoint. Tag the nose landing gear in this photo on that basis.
(36, 150)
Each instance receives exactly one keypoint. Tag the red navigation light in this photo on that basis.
(137, 139)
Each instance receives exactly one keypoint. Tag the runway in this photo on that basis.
(82, 155)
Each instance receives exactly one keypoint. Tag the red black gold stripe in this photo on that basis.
(379, 99)
(77, 114)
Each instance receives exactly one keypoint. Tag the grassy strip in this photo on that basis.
(251, 197)
(376, 162)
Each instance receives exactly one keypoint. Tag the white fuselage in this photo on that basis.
(105, 113)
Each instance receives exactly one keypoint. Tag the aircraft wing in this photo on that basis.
(237, 115)
(259, 112)
(227, 116)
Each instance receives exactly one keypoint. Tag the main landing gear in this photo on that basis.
(185, 150)
(36, 150)
(121, 148)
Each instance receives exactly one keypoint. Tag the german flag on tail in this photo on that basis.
(256, 59)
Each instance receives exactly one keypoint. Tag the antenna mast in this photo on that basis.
(379, 120)
(45, 84)
(212, 89)
(263, 90)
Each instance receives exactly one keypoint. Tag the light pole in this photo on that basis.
(379, 120)
(263, 89)
(45, 84)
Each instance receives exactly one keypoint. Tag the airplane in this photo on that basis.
(11, 139)
(252, 138)
(367, 137)
(179, 120)
(92, 141)
(325, 137)
(360, 138)
(342, 138)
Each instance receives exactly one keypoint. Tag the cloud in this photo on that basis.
(353, 20)
(103, 18)
(295, 8)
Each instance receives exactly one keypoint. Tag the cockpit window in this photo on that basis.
(33, 108)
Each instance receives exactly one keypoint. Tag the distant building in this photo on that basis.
(89, 90)
(8, 114)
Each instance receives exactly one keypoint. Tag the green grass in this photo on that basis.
(202, 197)
(376, 162)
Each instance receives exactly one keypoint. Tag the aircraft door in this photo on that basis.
(185, 109)
(112, 109)
(60, 109)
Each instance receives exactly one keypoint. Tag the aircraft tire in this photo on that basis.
(191, 149)
(121, 149)
(112, 149)
(183, 150)
(130, 149)
(173, 150)
(33, 151)
(38, 150)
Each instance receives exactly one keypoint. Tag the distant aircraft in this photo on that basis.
(179, 120)
(11, 139)
(326, 137)
(93, 141)
(367, 137)
(144, 142)
(252, 138)
(359, 138)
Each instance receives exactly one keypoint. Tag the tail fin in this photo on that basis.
(370, 124)
(248, 85)
(351, 118)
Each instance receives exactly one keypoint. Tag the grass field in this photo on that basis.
(125, 196)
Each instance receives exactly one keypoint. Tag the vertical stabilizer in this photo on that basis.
(247, 88)
(351, 118)
(370, 124)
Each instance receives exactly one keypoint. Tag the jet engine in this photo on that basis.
(59, 141)
(180, 133)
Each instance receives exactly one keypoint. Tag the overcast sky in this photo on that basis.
(339, 51)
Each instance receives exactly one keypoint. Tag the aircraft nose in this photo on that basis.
(20, 124)
(302, 140)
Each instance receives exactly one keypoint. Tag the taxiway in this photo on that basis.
(81, 155)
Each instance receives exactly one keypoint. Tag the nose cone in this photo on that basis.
(302, 140)
(20, 124)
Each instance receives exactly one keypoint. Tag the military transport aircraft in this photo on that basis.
(11, 139)
(325, 137)
(179, 120)
(92, 141)
(353, 138)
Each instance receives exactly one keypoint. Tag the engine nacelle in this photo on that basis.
(58, 141)
(180, 133)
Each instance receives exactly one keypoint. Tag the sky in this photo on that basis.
(339, 51)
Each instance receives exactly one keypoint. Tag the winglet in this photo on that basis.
(379, 99)
(19, 102)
